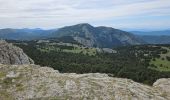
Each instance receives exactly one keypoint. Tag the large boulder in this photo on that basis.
(32, 82)
(10, 54)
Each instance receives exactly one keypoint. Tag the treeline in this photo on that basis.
(129, 62)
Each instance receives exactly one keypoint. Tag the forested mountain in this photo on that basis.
(97, 36)
(90, 36)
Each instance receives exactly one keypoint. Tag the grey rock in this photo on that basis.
(43, 83)
(105, 50)
(10, 54)
(108, 50)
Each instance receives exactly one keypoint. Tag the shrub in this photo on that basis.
(168, 58)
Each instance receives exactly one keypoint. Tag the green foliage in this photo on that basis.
(161, 62)
(168, 58)
(131, 62)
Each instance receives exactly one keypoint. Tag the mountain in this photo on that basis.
(152, 33)
(97, 36)
(153, 39)
(87, 35)
(23, 34)
(10, 54)
(32, 82)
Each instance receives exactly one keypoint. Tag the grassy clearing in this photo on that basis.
(71, 49)
(88, 51)
(161, 64)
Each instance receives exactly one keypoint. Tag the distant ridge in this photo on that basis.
(23, 34)
(152, 33)
(90, 36)
(98, 36)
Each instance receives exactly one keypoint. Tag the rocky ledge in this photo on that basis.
(33, 82)
(10, 54)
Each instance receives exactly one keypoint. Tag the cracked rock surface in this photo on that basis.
(20, 82)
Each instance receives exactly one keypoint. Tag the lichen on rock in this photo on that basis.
(36, 82)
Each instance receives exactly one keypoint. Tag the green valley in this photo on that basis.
(139, 62)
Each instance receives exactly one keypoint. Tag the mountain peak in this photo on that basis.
(84, 25)
(90, 36)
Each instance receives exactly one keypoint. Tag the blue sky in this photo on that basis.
(121, 14)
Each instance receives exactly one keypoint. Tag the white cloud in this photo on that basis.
(56, 13)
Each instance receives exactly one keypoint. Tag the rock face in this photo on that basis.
(10, 54)
(22, 82)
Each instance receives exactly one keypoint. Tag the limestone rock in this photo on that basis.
(10, 54)
(23, 82)
(164, 86)
(108, 50)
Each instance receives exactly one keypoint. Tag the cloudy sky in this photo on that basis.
(122, 14)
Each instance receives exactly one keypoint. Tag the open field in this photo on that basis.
(69, 49)
(161, 63)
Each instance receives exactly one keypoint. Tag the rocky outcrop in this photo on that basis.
(10, 54)
(163, 85)
(22, 82)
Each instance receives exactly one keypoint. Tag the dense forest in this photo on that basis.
(133, 62)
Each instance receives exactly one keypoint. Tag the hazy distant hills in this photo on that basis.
(23, 34)
(154, 37)
(98, 36)
(152, 33)
(89, 35)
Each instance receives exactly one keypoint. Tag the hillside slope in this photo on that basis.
(97, 36)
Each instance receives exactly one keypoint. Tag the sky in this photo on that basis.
(121, 14)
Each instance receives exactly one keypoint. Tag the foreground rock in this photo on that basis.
(22, 82)
(10, 54)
